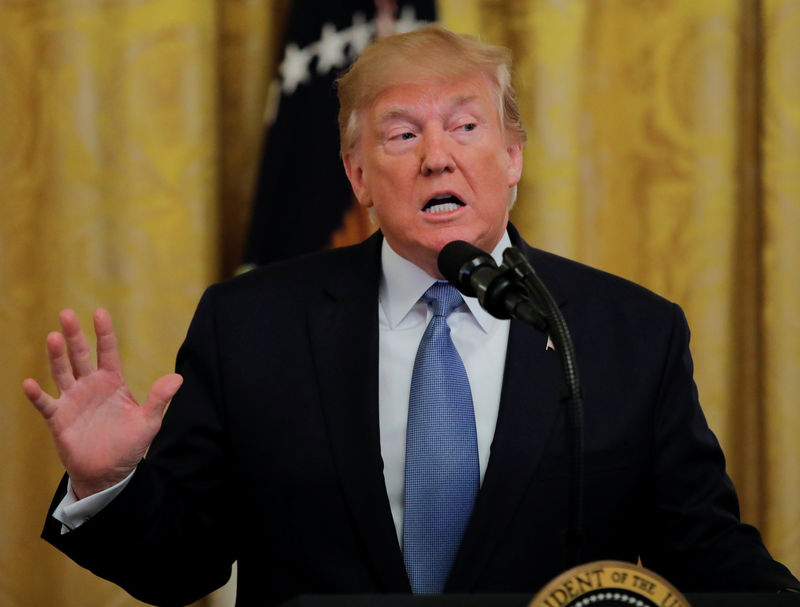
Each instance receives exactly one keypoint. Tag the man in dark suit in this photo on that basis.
(284, 447)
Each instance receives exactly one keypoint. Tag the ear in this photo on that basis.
(514, 151)
(354, 167)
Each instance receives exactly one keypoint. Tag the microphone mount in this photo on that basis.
(474, 273)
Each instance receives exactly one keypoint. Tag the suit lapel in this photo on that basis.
(529, 407)
(344, 338)
(343, 327)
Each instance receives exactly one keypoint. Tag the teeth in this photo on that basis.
(442, 208)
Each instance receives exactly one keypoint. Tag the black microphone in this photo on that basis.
(473, 272)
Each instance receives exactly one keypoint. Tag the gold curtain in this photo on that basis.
(129, 132)
(664, 146)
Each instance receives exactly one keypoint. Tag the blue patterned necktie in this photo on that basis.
(442, 473)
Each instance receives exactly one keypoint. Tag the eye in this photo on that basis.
(470, 126)
(401, 136)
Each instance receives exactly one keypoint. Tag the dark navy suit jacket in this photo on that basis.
(270, 453)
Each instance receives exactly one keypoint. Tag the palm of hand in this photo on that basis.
(99, 430)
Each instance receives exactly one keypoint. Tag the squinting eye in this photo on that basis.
(406, 136)
(470, 126)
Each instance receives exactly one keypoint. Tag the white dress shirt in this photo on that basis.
(480, 339)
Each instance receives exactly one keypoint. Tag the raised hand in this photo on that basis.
(100, 431)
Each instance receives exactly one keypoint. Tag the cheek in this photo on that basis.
(382, 176)
(494, 176)
(395, 185)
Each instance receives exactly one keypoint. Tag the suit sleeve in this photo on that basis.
(165, 537)
(696, 539)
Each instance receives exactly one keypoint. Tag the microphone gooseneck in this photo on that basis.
(521, 268)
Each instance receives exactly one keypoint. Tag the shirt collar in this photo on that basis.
(403, 284)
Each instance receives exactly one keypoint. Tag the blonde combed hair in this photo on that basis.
(428, 52)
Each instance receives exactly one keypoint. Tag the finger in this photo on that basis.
(162, 391)
(77, 348)
(45, 403)
(107, 350)
(60, 368)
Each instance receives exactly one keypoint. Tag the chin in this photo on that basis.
(440, 242)
(481, 241)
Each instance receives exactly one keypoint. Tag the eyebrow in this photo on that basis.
(404, 113)
(392, 113)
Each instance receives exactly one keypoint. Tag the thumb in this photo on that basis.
(162, 391)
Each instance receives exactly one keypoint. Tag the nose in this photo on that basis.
(435, 155)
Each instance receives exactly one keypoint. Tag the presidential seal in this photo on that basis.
(607, 584)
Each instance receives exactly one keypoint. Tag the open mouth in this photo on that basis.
(442, 204)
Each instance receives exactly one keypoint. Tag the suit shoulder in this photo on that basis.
(302, 277)
(576, 281)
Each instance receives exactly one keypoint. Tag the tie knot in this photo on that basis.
(444, 297)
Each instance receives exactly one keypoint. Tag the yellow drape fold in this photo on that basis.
(781, 268)
(108, 187)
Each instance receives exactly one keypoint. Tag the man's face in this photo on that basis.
(434, 163)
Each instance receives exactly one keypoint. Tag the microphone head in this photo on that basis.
(458, 260)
